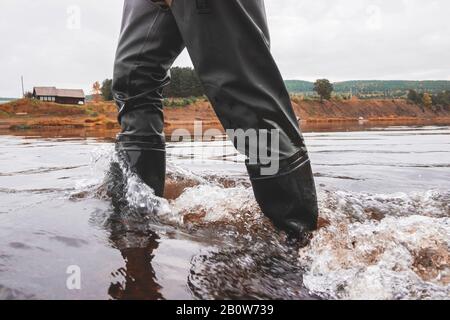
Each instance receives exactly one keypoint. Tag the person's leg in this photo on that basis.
(148, 45)
(228, 42)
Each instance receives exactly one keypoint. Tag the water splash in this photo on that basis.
(212, 203)
(374, 246)
(359, 207)
(130, 194)
(380, 247)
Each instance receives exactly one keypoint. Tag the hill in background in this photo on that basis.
(394, 88)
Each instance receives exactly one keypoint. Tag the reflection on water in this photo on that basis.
(137, 279)
(384, 206)
(307, 127)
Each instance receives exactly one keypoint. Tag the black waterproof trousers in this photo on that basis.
(228, 41)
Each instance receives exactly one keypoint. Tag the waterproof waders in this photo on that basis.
(228, 41)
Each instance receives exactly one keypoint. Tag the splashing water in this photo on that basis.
(380, 248)
(370, 246)
(397, 258)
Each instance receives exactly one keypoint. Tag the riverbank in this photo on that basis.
(31, 114)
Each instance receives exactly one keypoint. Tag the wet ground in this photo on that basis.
(385, 221)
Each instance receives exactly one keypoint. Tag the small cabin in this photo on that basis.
(62, 96)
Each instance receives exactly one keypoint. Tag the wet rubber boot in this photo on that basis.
(141, 149)
(288, 198)
(145, 159)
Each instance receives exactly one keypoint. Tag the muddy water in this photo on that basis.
(385, 221)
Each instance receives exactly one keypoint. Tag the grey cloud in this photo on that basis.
(337, 39)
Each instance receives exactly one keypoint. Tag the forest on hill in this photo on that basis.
(366, 87)
(185, 84)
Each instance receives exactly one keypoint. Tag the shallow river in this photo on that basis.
(385, 222)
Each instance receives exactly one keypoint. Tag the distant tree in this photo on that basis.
(441, 99)
(414, 97)
(427, 101)
(107, 90)
(185, 83)
(96, 91)
(324, 88)
(28, 95)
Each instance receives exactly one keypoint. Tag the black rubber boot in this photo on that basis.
(289, 198)
(141, 147)
(146, 158)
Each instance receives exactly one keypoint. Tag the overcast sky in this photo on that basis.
(336, 39)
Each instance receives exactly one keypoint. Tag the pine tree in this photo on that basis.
(107, 90)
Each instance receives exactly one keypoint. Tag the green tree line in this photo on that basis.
(373, 86)
(427, 99)
(184, 83)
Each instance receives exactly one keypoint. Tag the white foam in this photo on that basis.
(142, 198)
(380, 260)
(215, 203)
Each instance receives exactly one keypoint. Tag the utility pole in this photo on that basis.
(23, 90)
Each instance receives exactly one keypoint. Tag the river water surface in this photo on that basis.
(384, 205)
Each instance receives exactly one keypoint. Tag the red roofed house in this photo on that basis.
(63, 96)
